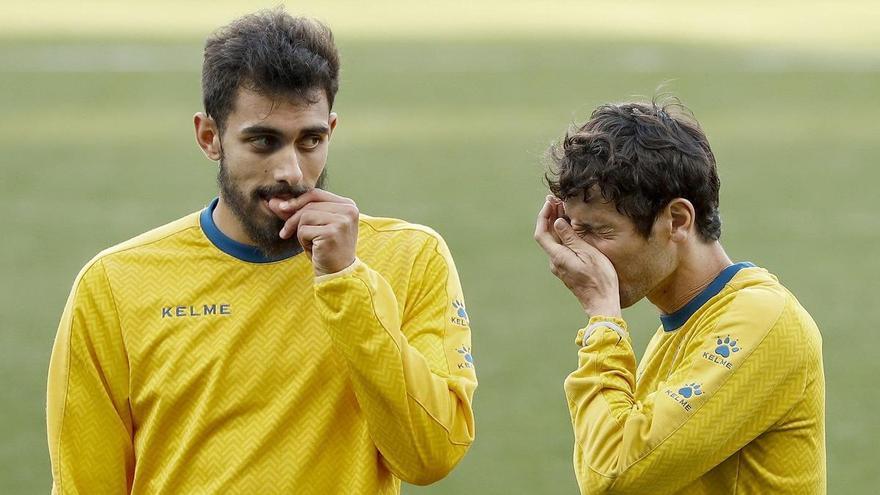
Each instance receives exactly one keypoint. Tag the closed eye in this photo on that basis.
(603, 231)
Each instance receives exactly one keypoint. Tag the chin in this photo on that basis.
(628, 299)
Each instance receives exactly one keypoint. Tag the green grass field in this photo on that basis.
(96, 146)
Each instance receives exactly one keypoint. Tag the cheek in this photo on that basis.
(249, 169)
(313, 163)
(626, 262)
(610, 248)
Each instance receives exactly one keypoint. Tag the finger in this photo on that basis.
(573, 242)
(305, 235)
(314, 195)
(543, 234)
(310, 218)
(300, 218)
(346, 214)
(344, 209)
(557, 214)
(275, 206)
(567, 234)
(309, 235)
(544, 215)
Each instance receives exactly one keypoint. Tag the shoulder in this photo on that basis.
(160, 235)
(166, 238)
(398, 227)
(758, 309)
(402, 235)
(398, 248)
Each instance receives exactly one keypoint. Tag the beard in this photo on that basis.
(644, 274)
(260, 227)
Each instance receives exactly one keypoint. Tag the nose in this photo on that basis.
(288, 169)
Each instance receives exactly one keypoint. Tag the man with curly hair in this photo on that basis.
(730, 394)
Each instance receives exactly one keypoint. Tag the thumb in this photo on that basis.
(564, 231)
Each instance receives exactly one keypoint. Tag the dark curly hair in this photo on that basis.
(272, 53)
(640, 156)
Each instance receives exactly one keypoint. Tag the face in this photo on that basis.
(271, 148)
(641, 264)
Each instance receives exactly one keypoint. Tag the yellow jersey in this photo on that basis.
(186, 362)
(728, 398)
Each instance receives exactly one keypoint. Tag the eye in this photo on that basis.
(264, 142)
(311, 142)
(595, 232)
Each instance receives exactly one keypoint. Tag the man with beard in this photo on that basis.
(277, 341)
(729, 395)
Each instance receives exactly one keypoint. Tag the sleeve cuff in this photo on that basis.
(357, 263)
(597, 323)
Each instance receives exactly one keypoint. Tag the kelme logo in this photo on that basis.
(722, 350)
(684, 393)
(459, 316)
(196, 310)
(465, 352)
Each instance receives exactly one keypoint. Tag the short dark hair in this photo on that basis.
(272, 53)
(640, 156)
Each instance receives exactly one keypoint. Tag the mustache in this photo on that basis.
(280, 190)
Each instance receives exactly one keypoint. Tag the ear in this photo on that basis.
(333, 120)
(682, 218)
(208, 136)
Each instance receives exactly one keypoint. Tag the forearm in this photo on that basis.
(421, 420)
(661, 443)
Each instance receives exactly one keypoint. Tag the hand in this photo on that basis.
(587, 273)
(326, 226)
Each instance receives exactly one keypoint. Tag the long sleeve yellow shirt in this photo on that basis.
(184, 363)
(728, 399)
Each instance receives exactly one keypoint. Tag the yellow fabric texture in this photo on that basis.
(732, 402)
(178, 368)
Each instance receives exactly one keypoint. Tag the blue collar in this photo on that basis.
(244, 252)
(675, 320)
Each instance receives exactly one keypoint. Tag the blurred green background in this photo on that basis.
(445, 111)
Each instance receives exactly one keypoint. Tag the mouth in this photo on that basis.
(280, 196)
(265, 200)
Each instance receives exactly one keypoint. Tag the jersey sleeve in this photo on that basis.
(88, 414)
(739, 374)
(411, 370)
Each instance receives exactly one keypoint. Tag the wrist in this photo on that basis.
(599, 322)
(595, 302)
(610, 310)
(321, 276)
(341, 267)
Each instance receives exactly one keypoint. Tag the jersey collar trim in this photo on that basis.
(231, 247)
(676, 320)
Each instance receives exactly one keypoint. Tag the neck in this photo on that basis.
(700, 265)
(226, 222)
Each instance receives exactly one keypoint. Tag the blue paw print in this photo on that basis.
(726, 346)
(466, 351)
(459, 307)
(688, 390)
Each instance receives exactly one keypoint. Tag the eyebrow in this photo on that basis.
(591, 226)
(262, 129)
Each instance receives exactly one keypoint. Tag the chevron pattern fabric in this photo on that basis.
(731, 402)
(179, 368)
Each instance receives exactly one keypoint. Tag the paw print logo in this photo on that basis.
(690, 390)
(465, 352)
(458, 306)
(726, 347)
